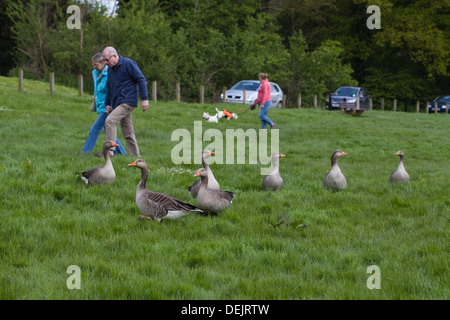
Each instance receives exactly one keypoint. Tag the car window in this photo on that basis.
(444, 99)
(247, 85)
(347, 92)
(274, 88)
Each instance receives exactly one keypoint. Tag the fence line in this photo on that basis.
(224, 89)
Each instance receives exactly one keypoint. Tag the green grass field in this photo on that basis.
(302, 242)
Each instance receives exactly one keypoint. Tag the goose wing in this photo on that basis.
(151, 208)
(169, 203)
(89, 173)
(228, 195)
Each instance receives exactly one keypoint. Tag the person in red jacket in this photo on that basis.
(264, 100)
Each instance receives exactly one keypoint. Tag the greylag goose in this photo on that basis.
(273, 181)
(212, 182)
(400, 175)
(335, 180)
(158, 205)
(211, 200)
(101, 175)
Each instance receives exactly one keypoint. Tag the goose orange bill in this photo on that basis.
(115, 144)
(282, 155)
(344, 153)
(133, 164)
(197, 174)
(211, 153)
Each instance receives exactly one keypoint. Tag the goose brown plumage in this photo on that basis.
(101, 175)
(273, 181)
(158, 205)
(334, 179)
(400, 175)
(212, 182)
(211, 200)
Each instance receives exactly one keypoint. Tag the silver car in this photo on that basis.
(235, 94)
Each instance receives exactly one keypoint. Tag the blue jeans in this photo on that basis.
(95, 130)
(263, 115)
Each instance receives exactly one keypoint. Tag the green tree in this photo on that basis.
(31, 32)
(317, 72)
(411, 51)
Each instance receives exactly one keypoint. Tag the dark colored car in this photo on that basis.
(441, 104)
(345, 97)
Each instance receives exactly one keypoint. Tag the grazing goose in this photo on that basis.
(158, 205)
(101, 175)
(211, 200)
(400, 175)
(335, 180)
(273, 181)
(212, 182)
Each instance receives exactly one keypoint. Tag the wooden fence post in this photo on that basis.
(283, 104)
(435, 106)
(370, 104)
(299, 101)
(154, 91)
(20, 80)
(446, 107)
(224, 94)
(52, 82)
(417, 106)
(394, 107)
(382, 104)
(80, 85)
(357, 103)
(426, 107)
(244, 96)
(202, 94)
(315, 101)
(178, 92)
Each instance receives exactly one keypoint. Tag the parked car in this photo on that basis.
(235, 94)
(441, 101)
(345, 97)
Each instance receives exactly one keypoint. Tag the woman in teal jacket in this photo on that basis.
(100, 75)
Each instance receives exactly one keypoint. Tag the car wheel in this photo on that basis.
(279, 104)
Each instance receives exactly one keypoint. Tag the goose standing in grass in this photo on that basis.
(400, 175)
(158, 205)
(335, 180)
(211, 200)
(101, 175)
(212, 182)
(273, 181)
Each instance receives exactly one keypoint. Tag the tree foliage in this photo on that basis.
(307, 46)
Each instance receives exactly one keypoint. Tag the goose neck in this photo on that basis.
(144, 176)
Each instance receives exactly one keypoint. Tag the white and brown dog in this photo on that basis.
(209, 118)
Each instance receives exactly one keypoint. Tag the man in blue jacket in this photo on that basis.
(124, 79)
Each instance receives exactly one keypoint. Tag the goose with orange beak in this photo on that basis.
(335, 180)
(400, 175)
(211, 200)
(101, 175)
(155, 205)
(273, 181)
(212, 182)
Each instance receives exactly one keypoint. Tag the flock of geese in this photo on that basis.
(206, 190)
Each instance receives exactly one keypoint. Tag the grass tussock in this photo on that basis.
(302, 242)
